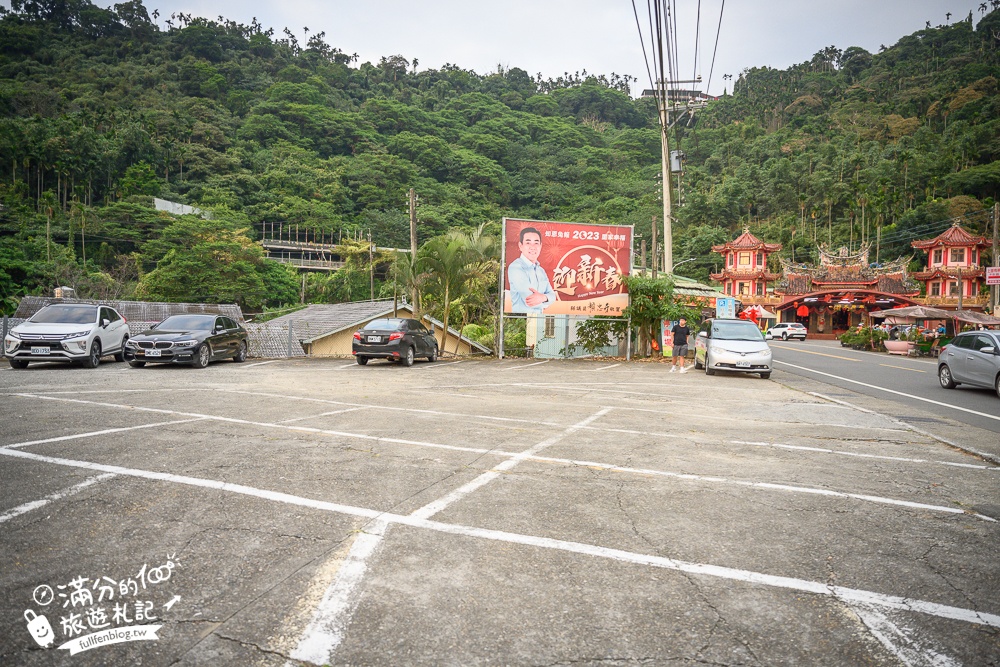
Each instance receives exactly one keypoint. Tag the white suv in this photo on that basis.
(786, 330)
(74, 332)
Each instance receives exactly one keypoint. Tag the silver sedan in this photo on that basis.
(732, 345)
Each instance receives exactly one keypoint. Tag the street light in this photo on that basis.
(690, 259)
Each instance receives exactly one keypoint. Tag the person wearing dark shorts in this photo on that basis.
(681, 333)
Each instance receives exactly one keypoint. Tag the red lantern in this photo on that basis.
(802, 311)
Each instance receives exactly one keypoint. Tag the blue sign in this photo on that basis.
(725, 307)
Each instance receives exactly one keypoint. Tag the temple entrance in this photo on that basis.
(841, 320)
(838, 309)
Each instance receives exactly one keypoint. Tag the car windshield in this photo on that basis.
(66, 315)
(735, 330)
(384, 324)
(187, 322)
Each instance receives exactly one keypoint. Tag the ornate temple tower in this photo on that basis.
(954, 272)
(745, 273)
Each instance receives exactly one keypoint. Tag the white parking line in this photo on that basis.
(261, 363)
(59, 495)
(106, 431)
(322, 414)
(429, 510)
(323, 635)
(432, 367)
(520, 366)
(822, 588)
(892, 391)
(604, 368)
(506, 454)
(823, 450)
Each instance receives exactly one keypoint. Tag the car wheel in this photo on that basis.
(202, 356)
(121, 353)
(362, 361)
(407, 360)
(784, 335)
(241, 353)
(93, 360)
(997, 386)
(945, 378)
(765, 376)
(433, 355)
(708, 365)
(697, 364)
(136, 364)
(19, 364)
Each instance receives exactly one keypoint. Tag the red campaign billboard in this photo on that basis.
(565, 268)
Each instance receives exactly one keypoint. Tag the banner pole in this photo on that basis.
(628, 340)
(503, 263)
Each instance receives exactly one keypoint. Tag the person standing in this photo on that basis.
(681, 333)
(530, 291)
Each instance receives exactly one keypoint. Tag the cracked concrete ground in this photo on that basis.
(660, 519)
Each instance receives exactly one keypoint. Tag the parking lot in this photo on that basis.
(484, 512)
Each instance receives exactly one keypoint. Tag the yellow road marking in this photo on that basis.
(915, 370)
(822, 354)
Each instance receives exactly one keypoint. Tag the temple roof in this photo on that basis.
(747, 241)
(950, 272)
(953, 236)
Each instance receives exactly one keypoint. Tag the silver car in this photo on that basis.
(76, 332)
(732, 345)
(971, 358)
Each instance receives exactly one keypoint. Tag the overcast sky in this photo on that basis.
(600, 36)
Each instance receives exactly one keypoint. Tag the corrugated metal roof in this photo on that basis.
(319, 320)
(139, 311)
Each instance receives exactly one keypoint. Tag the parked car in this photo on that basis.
(396, 339)
(189, 339)
(731, 345)
(971, 358)
(786, 330)
(75, 332)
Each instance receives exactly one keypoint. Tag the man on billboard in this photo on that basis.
(530, 291)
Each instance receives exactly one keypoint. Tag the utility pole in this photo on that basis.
(995, 289)
(668, 244)
(413, 250)
(656, 260)
(371, 268)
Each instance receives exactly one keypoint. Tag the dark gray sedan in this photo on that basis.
(189, 339)
(971, 358)
(395, 339)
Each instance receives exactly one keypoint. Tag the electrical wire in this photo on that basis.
(716, 47)
(697, 42)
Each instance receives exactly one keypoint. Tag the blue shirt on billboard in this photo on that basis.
(524, 277)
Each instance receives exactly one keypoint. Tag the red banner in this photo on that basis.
(565, 268)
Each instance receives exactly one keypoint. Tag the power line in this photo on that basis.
(716, 48)
(697, 41)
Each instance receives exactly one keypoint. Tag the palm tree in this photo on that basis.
(445, 258)
(408, 276)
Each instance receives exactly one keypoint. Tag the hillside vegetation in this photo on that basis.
(101, 110)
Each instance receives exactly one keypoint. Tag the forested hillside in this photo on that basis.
(100, 110)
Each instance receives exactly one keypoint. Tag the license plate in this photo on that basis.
(41, 350)
(742, 364)
(152, 353)
(374, 339)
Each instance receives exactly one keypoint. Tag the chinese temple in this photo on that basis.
(834, 296)
(745, 271)
(954, 275)
(828, 298)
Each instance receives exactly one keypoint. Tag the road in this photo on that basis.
(483, 512)
(910, 382)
